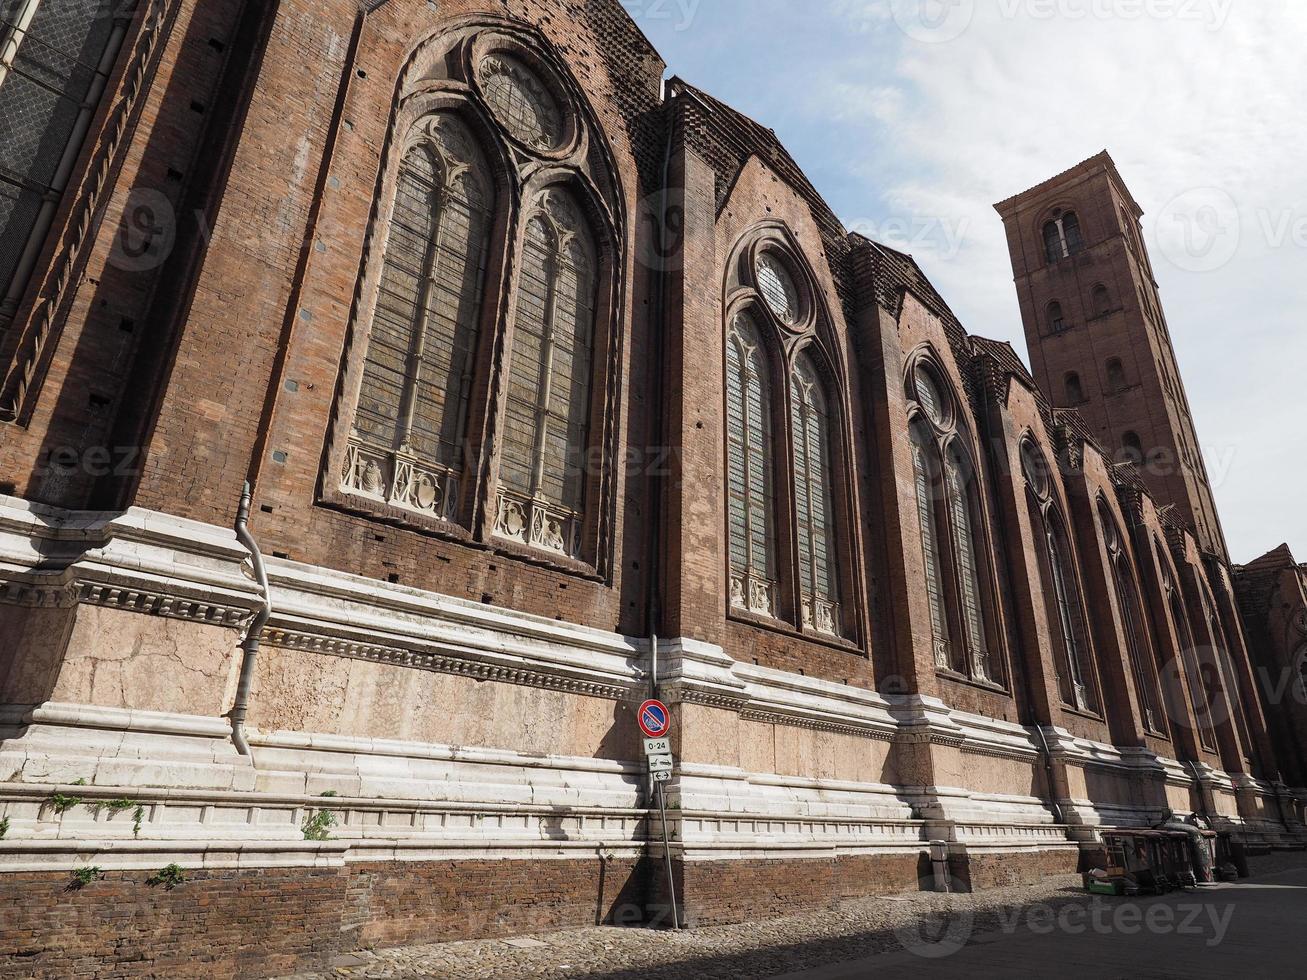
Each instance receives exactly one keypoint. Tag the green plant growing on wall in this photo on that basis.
(137, 819)
(84, 876)
(62, 804)
(317, 826)
(169, 877)
(4, 827)
(330, 792)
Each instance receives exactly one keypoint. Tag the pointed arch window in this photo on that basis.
(55, 61)
(542, 468)
(1115, 374)
(963, 506)
(407, 441)
(949, 517)
(750, 465)
(1199, 694)
(1061, 592)
(927, 518)
(814, 499)
(1127, 594)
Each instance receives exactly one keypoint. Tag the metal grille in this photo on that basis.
(814, 499)
(51, 53)
(749, 465)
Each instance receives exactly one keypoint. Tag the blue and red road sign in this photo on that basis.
(654, 719)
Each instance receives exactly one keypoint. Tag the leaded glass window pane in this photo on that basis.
(1070, 620)
(411, 420)
(752, 520)
(964, 534)
(814, 500)
(1052, 242)
(778, 288)
(930, 397)
(521, 101)
(547, 413)
(50, 62)
(930, 540)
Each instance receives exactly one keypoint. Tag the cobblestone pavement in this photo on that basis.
(814, 941)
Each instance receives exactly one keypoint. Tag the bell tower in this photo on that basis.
(1098, 337)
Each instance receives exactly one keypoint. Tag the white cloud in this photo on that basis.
(1189, 96)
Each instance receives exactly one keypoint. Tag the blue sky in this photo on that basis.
(912, 117)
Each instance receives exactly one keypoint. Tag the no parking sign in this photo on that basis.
(654, 719)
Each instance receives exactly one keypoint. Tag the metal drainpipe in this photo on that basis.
(1048, 771)
(250, 642)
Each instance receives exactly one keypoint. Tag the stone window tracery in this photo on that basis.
(521, 101)
(407, 443)
(949, 518)
(814, 500)
(500, 437)
(750, 470)
(778, 288)
(1128, 599)
(546, 433)
(1061, 589)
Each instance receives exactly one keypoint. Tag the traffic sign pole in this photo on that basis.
(655, 721)
(667, 854)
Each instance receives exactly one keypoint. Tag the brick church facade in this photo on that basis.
(555, 385)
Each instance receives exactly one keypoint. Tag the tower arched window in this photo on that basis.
(814, 500)
(542, 475)
(407, 442)
(1101, 299)
(1116, 380)
(1056, 318)
(950, 520)
(1075, 391)
(1060, 586)
(1132, 448)
(750, 465)
(1062, 236)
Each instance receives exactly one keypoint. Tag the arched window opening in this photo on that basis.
(542, 475)
(926, 480)
(1075, 243)
(1115, 375)
(1062, 237)
(965, 523)
(750, 477)
(1102, 301)
(814, 500)
(1056, 318)
(407, 441)
(1075, 391)
(1069, 617)
(1132, 448)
